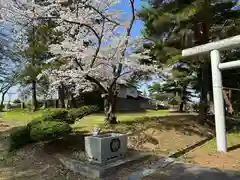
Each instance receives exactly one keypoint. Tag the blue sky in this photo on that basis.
(138, 26)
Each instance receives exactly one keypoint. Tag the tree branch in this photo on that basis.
(101, 14)
(86, 25)
(127, 72)
(79, 64)
(128, 34)
(99, 38)
(117, 77)
(91, 79)
(99, 45)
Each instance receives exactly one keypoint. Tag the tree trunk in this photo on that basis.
(2, 101)
(181, 106)
(110, 108)
(61, 96)
(34, 96)
(183, 99)
(73, 102)
(227, 99)
(22, 105)
(203, 106)
(201, 30)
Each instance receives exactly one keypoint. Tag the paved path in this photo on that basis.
(168, 169)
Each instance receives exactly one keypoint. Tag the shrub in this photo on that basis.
(60, 115)
(16, 101)
(19, 138)
(49, 130)
(35, 122)
(38, 130)
(79, 113)
(94, 108)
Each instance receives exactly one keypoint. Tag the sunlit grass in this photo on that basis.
(86, 123)
(96, 120)
(21, 116)
(233, 139)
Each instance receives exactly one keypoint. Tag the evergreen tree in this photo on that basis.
(36, 55)
(175, 25)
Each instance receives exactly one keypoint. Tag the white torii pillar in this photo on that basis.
(214, 48)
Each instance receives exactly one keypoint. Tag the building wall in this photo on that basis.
(125, 91)
(129, 104)
(132, 92)
(124, 103)
(122, 92)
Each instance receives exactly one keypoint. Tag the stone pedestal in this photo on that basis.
(105, 148)
(97, 171)
(103, 154)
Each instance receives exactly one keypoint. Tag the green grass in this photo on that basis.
(86, 123)
(207, 154)
(20, 116)
(211, 146)
(96, 120)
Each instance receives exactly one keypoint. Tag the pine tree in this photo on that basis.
(36, 55)
(176, 25)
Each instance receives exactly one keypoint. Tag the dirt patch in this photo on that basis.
(206, 155)
(32, 163)
(223, 161)
(39, 161)
(161, 135)
(164, 135)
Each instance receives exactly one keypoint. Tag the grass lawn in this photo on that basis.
(157, 131)
(207, 154)
(24, 116)
(97, 120)
(20, 116)
(150, 130)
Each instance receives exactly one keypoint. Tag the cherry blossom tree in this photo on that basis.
(97, 48)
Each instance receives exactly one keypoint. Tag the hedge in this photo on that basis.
(38, 131)
(53, 124)
(68, 116)
(79, 113)
(49, 130)
(60, 115)
(19, 138)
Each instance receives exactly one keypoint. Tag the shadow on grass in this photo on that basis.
(31, 162)
(232, 124)
(185, 124)
(78, 128)
(189, 148)
(234, 147)
(67, 144)
(70, 143)
(8, 131)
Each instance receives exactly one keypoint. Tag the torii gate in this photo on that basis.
(213, 48)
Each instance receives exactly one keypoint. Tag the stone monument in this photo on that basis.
(104, 153)
(104, 148)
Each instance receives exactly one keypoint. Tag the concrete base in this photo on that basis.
(94, 171)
